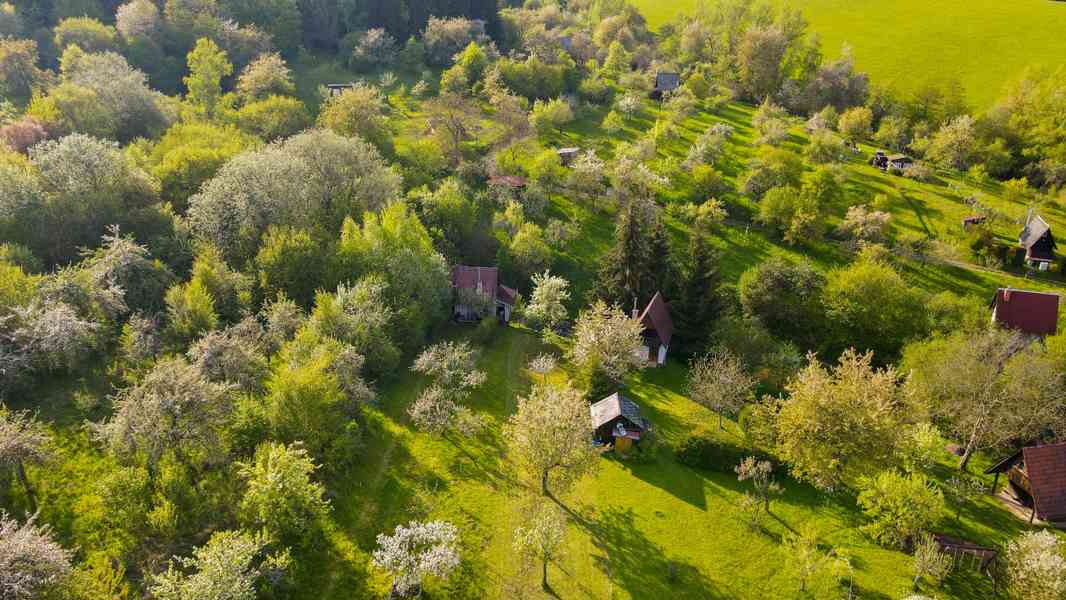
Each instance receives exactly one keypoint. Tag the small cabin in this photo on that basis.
(568, 155)
(973, 221)
(664, 84)
(658, 330)
(1037, 241)
(336, 89)
(900, 162)
(1027, 312)
(616, 422)
(478, 293)
(1036, 478)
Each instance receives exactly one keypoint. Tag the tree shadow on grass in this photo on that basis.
(637, 564)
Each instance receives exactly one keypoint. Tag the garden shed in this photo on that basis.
(568, 155)
(336, 89)
(616, 421)
(1036, 477)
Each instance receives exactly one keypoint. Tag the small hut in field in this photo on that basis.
(616, 422)
(1036, 478)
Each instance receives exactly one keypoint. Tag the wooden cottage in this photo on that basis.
(1031, 313)
(478, 293)
(616, 421)
(900, 162)
(1037, 241)
(1036, 477)
(664, 84)
(658, 330)
(568, 155)
(336, 89)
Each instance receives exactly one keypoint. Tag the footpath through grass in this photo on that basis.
(984, 44)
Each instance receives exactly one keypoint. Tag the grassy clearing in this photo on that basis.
(983, 43)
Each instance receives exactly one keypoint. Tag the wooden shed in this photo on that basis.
(616, 421)
(658, 330)
(1036, 477)
(1037, 241)
(664, 84)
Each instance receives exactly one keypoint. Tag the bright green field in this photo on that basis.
(984, 43)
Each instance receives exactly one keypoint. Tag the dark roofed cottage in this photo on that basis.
(1031, 313)
(658, 329)
(1037, 241)
(469, 283)
(616, 421)
(664, 84)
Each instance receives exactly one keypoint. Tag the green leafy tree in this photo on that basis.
(231, 566)
(901, 507)
(274, 118)
(191, 153)
(542, 539)
(361, 111)
(282, 497)
(719, 381)
(873, 308)
(839, 421)
(88, 34)
(190, 312)
(290, 261)
(787, 298)
(208, 65)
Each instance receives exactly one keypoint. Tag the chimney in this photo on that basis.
(636, 311)
(1006, 295)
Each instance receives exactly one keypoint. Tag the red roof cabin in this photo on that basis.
(658, 330)
(1031, 313)
(478, 294)
(1036, 477)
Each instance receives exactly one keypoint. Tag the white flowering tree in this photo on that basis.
(54, 336)
(607, 340)
(541, 539)
(1036, 567)
(31, 562)
(22, 440)
(451, 367)
(720, 382)
(547, 304)
(416, 551)
(173, 408)
(550, 437)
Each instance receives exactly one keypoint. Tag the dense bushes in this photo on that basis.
(705, 450)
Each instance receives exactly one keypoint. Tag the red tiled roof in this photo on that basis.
(468, 278)
(508, 180)
(1046, 468)
(656, 317)
(1035, 313)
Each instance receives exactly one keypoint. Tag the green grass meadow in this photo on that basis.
(985, 44)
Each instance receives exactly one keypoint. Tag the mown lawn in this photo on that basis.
(636, 530)
(984, 44)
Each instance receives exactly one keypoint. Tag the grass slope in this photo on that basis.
(983, 43)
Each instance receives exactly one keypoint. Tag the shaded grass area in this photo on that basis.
(909, 43)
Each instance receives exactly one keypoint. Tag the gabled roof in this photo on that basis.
(613, 406)
(656, 317)
(483, 279)
(899, 157)
(506, 295)
(513, 181)
(1035, 313)
(1046, 468)
(1035, 228)
(572, 150)
(667, 81)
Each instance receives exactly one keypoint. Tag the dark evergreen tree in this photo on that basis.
(622, 271)
(697, 303)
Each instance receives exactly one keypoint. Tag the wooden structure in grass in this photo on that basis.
(616, 422)
(658, 330)
(478, 294)
(1036, 477)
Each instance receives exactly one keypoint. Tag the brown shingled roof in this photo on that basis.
(1046, 468)
(656, 317)
(1034, 313)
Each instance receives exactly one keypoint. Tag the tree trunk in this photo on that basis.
(20, 469)
(917, 580)
(544, 574)
(544, 483)
(766, 503)
(968, 453)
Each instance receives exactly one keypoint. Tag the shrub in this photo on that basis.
(703, 450)
(900, 507)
